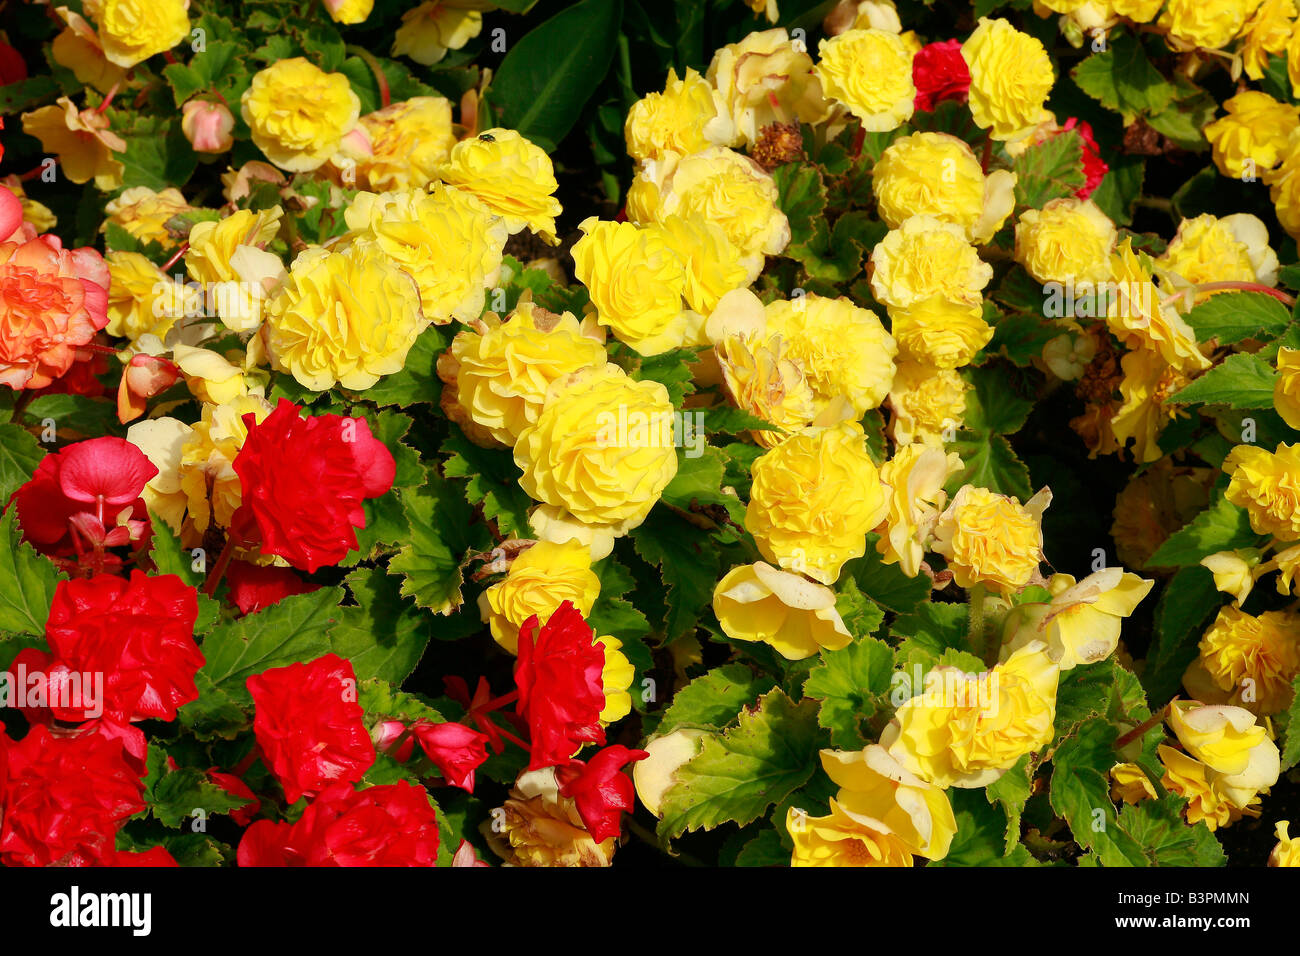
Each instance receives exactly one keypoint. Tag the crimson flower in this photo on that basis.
(139, 634)
(1094, 167)
(303, 481)
(255, 587)
(309, 725)
(940, 73)
(64, 799)
(456, 750)
(87, 496)
(561, 688)
(599, 788)
(387, 825)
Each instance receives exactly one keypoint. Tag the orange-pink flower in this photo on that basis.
(52, 301)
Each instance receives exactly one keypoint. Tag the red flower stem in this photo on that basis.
(219, 571)
(375, 68)
(1233, 284)
(988, 152)
(859, 138)
(169, 56)
(176, 257)
(241, 768)
(109, 98)
(511, 737)
(499, 702)
(1141, 729)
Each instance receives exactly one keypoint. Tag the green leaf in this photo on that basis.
(384, 636)
(1291, 746)
(861, 615)
(1020, 337)
(697, 486)
(27, 581)
(176, 796)
(493, 482)
(713, 701)
(1011, 790)
(548, 76)
(1165, 837)
(990, 462)
(1120, 188)
(1081, 694)
(886, 584)
(764, 850)
(671, 369)
(853, 686)
(294, 630)
(25, 94)
(157, 155)
(981, 838)
(76, 416)
(738, 774)
(20, 453)
(442, 533)
(1122, 79)
(801, 195)
(382, 701)
(1052, 169)
(1080, 792)
(1241, 381)
(931, 631)
(1222, 526)
(690, 562)
(1185, 605)
(418, 380)
(1233, 316)
(169, 557)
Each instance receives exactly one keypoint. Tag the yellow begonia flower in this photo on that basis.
(927, 404)
(298, 114)
(617, 677)
(374, 310)
(81, 140)
(512, 176)
(766, 78)
(938, 175)
(1253, 659)
(1129, 782)
(1253, 136)
(1010, 78)
(843, 838)
(870, 72)
(1264, 483)
(688, 116)
(757, 602)
(915, 476)
(134, 30)
(1286, 391)
(844, 349)
(1195, 783)
(1068, 241)
(1229, 741)
(447, 240)
(966, 730)
(540, 579)
(498, 372)
(578, 458)
(1081, 624)
(992, 539)
(874, 784)
(636, 280)
(1287, 851)
(432, 28)
(814, 498)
